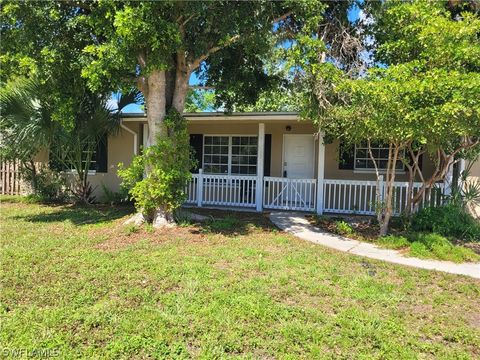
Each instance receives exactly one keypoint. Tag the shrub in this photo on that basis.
(343, 228)
(114, 197)
(394, 242)
(437, 246)
(167, 165)
(448, 220)
(46, 185)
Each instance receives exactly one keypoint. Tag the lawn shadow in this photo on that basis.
(80, 215)
(232, 223)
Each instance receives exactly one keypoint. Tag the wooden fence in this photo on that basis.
(10, 178)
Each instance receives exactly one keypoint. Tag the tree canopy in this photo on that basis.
(422, 96)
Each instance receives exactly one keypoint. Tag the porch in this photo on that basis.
(281, 165)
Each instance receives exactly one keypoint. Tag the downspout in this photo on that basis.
(135, 137)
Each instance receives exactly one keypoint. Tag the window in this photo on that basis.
(236, 155)
(363, 160)
(244, 155)
(68, 158)
(215, 154)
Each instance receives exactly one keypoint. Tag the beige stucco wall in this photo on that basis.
(475, 178)
(120, 149)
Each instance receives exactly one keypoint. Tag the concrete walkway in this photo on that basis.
(298, 225)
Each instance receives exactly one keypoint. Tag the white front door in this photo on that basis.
(298, 156)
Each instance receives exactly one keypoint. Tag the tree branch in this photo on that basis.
(282, 17)
(196, 63)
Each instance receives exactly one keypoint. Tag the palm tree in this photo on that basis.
(95, 119)
(27, 127)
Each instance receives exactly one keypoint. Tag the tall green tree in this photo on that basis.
(157, 45)
(423, 99)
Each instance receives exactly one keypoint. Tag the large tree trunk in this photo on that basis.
(164, 90)
(156, 106)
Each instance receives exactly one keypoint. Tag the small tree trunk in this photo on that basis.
(391, 170)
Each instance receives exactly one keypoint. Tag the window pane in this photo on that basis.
(384, 153)
(361, 164)
(243, 159)
(382, 164)
(361, 153)
(224, 140)
(224, 150)
(235, 140)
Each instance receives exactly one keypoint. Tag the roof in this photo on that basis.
(215, 116)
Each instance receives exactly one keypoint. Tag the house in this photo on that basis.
(265, 161)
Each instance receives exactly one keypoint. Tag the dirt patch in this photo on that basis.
(364, 227)
(122, 236)
(474, 320)
(474, 246)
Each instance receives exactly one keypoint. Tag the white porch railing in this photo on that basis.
(339, 196)
(222, 190)
(360, 197)
(289, 194)
(192, 190)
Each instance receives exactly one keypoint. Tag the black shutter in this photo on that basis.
(267, 155)
(196, 142)
(102, 155)
(346, 156)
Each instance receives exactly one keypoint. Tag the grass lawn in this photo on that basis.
(426, 245)
(78, 281)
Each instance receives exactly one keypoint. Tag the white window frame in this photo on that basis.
(368, 158)
(229, 165)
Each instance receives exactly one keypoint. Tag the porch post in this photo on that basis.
(447, 182)
(320, 172)
(200, 188)
(260, 154)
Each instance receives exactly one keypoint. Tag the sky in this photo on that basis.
(353, 15)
